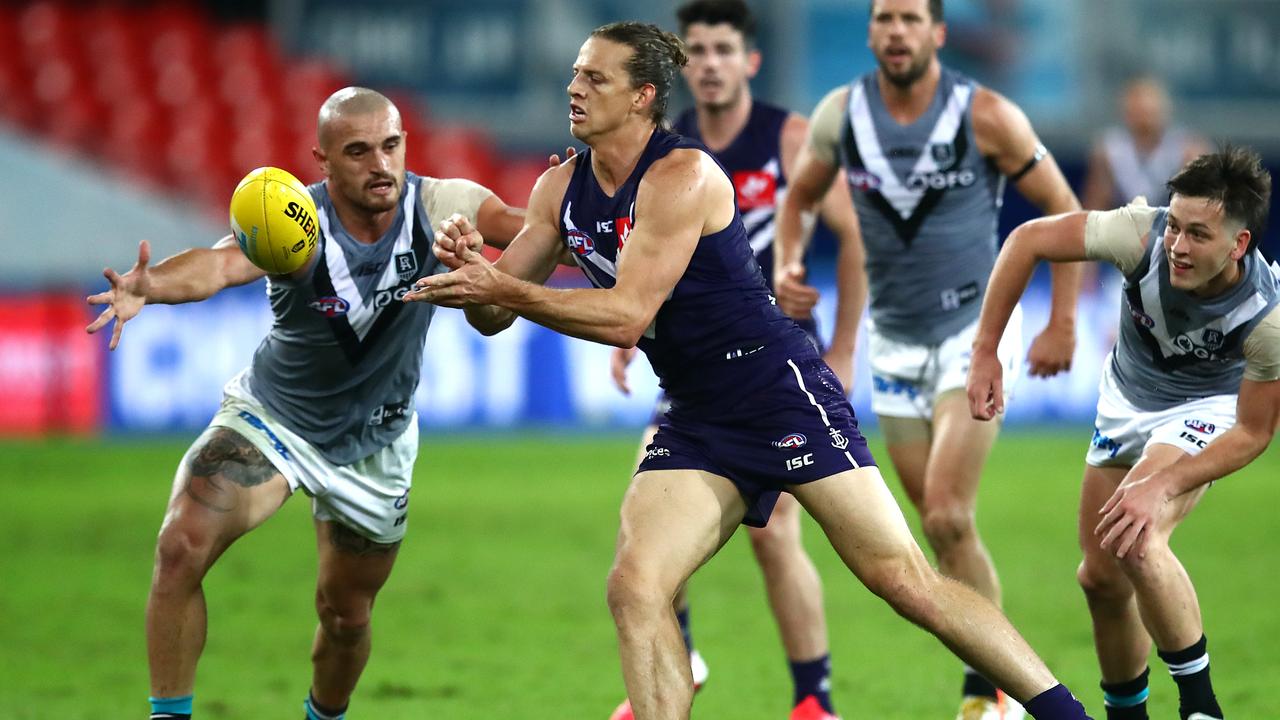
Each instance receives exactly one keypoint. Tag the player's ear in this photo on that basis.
(645, 95)
(753, 63)
(1243, 236)
(939, 34)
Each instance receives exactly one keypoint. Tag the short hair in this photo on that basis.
(1233, 176)
(935, 9)
(657, 59)
(351, 101)
(734, 13)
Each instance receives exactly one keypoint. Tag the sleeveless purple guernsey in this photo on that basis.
(720, 319)
(754, 162)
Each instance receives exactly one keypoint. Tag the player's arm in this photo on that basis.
(1005, 136)
(836, 211)
(498, 222)
(532, 256)
(681, 197)
(189, 276)
(1116, 236)
(1136, 506)
(807, 184)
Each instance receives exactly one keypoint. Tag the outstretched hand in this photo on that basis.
(795, 297)
(472, 279)
(125, 298)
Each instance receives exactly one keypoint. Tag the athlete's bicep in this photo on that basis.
(1262, 349)
(537, 247)
(1005, 136)
(680, 199)
(498, 222)
(1118, 236)
(1258, 408)
(825, 125)
(235, 266)
(1057, 238)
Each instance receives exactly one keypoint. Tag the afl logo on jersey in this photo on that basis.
(580, 243)
(791, 442)
(331, 306)
(863, 180)
(755, 189)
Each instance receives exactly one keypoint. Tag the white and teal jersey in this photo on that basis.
(342, 360)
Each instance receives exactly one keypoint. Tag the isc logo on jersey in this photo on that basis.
(941, 180)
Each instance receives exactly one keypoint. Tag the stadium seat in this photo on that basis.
(171, 98)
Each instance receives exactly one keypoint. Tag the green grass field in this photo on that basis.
(496, 608)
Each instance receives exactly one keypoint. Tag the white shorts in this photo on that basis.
(370, 496)
(906, 379)
(1122, 432)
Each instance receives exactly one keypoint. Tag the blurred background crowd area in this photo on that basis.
(128, 120)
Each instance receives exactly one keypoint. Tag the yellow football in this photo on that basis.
(274, 219)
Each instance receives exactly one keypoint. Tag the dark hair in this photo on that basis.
(935, 9)
(657, 59)
(733, 13)
(1233, 176)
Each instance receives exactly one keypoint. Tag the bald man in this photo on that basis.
(1135, 159)
(326, 407)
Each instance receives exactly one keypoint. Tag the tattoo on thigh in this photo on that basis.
(223, 457)
(349, 541)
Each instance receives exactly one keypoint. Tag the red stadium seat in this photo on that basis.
(162, 92)
(515, 180)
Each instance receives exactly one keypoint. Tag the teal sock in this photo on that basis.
(316, 711)
(175, 708)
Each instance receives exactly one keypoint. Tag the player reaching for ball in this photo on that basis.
(326, 405)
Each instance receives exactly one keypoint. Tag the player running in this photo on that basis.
(1190, 394)
(927, 152)
(757, 144)
(754, 409)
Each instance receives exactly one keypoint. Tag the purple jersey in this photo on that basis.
(720, 321)
(754, 162)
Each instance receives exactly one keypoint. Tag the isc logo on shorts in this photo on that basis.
(796, 463)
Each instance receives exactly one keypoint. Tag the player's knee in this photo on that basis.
(184, 552)
(630, 591)
(909, 586)
(947, 525)
(1103, 585)
(345, 622)
(773, 544)
(1138, 567)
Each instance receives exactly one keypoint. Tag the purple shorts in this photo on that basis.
(797, 429)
